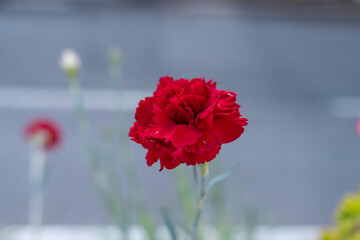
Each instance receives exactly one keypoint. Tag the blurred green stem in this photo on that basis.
(115, 71)
(36, 175)
(136, 195)
(204, 169)
(100, 177)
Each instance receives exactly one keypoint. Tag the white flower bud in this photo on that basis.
(70, 62)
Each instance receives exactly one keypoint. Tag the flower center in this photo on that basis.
(183, 116)
(40, 139)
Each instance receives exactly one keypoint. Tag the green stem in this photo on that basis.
(136, 203)
(200, 203)
(37, 168)
(100, 177)
(116, 81)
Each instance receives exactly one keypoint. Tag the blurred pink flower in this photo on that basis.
(44, 129)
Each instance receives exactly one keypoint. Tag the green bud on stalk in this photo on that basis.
(115, 56)
(204, 169)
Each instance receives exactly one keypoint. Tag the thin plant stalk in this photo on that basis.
(204, 169)
(136, 195)
(115, 72)
(100, 177)
(36, 179)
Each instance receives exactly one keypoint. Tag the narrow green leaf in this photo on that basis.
(169, 224)
(221, 177)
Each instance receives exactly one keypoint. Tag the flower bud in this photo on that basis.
(204, 169)
(70, 62)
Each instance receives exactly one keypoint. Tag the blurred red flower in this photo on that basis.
(358, 127)
(48, 128)
(186, 122)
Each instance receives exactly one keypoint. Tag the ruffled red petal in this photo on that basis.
(229, 129)
(186, 122)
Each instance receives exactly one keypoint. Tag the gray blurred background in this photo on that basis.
(295, 68)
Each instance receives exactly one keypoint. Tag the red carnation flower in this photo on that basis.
(45, 129)
(186, 122)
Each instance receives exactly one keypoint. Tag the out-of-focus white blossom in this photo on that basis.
(70, 62)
